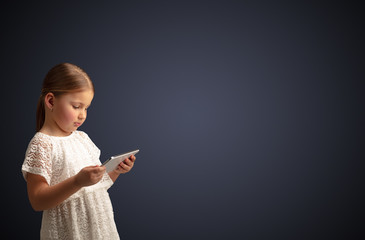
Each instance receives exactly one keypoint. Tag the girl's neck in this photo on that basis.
(51, 128)
(54, 132)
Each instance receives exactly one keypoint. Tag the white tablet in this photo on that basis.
(114, 161)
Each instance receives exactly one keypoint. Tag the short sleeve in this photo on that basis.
(38, 158)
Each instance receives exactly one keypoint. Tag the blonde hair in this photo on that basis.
(61, 79)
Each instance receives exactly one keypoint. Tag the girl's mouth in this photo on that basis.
(76, 124)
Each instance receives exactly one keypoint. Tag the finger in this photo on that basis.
(120, 169)
(124, 166)
(101, 175)
(99, 169)
(128, 162)
(96, 177)
(132, 158)
(91, 168)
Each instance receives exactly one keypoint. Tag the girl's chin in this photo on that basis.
(69, 130)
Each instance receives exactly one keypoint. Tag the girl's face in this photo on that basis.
(70, 110)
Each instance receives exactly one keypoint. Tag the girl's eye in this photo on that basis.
(76, 107)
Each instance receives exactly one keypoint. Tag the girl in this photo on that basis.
(62, 166)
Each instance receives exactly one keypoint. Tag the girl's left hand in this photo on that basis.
(126, 165)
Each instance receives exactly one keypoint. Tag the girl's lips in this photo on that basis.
(77, 124)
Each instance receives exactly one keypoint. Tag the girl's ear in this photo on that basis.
(49, 101)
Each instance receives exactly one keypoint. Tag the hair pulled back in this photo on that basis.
(61, 79)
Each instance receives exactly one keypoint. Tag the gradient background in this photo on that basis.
(249, 115)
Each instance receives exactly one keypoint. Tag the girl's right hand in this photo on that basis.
(89, 175)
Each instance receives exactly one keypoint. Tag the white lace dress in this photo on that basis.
(87, 214)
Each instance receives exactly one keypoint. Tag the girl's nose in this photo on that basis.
(82, 115)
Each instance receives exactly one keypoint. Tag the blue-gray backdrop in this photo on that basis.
(249, 115)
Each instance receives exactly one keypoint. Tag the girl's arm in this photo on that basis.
(123, 167)
(42, 196)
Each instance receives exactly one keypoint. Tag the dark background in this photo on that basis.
(249, 115)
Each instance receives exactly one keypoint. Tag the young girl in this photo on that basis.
(64, 175)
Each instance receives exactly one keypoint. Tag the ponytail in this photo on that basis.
(40, 113)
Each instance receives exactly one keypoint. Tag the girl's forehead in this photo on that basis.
(85, 96)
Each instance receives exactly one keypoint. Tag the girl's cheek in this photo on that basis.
(71, 115)
(68, 115)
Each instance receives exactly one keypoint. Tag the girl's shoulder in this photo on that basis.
(40, 139)
(39, 146)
